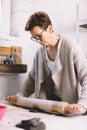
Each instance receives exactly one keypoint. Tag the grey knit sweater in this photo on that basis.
(73, 68)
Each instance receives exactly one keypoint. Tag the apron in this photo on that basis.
(48, 86)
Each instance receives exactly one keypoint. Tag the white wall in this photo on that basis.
(5, 16)
(63, 14)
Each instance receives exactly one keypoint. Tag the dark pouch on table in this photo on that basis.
(32, 124)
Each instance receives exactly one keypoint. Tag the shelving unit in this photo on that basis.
(80, 22)
(81, 16)
(13, 68)
(84, 25)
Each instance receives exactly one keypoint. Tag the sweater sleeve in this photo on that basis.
(80, 62)
(29, 84)
(28, 88)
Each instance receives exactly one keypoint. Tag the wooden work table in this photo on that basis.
(15, 114)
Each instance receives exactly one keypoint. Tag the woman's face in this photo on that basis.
(42, 36)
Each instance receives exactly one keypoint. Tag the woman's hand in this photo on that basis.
(12, 99)
(76, 109)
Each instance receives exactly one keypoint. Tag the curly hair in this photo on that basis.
(40, 19)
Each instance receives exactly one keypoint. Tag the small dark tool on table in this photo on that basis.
(32, 124)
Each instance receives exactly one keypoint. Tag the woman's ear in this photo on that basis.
(50, 28)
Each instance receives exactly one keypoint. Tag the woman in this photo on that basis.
(59, 70)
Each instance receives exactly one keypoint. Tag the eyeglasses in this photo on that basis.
(39, 36)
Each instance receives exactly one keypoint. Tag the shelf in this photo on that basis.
(81, 20)
(83, 23)
(13, 68)
(83, 26)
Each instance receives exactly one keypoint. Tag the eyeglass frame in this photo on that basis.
(39, 36)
